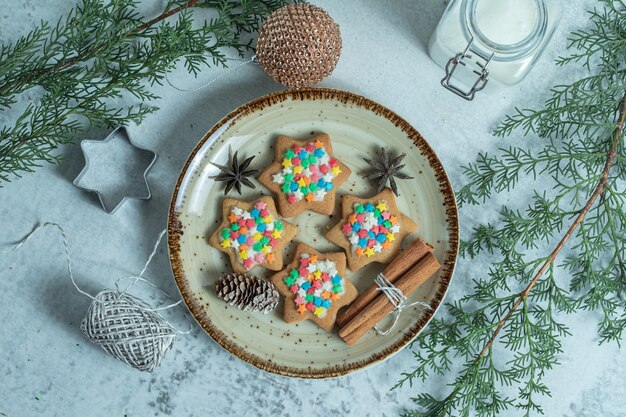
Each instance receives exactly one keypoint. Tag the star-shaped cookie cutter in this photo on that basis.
(121, 132)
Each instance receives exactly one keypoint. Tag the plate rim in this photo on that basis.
(174, 232)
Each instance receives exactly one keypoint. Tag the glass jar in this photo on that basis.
(491, 43)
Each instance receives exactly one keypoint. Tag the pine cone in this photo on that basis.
(247, 293)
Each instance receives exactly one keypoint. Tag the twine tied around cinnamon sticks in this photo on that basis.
(405, 274)
(395, 297)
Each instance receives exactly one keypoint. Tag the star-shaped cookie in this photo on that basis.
(314, 287)
(304, 175)
(371, 229)
(252, 234)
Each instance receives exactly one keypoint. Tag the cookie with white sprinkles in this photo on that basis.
(252, 234)
(314, 287)
(305, 175)
(371, 229)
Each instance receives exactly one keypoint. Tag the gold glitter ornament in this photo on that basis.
(299, 45)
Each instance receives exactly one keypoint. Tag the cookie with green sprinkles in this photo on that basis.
(304, 175)
(314, 287)
(371, 229)
(252, 234)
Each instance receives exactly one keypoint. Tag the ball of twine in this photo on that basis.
(299, 45)
(126, 328)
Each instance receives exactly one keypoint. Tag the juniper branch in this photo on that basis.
(598, 191)
(96, 65)
(507, 329)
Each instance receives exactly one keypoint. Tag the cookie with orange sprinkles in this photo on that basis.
(252, 234)
(371, 229)
(305, 175)
(314, 287)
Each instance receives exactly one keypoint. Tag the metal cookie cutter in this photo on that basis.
(119, 133)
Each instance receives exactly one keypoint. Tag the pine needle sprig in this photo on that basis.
(508, 329)
(96, 65)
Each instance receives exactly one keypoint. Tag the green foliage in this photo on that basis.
(507, 330)
(94, 68)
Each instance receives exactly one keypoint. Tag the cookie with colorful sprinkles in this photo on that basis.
(305, 175)
(314, 287)
(371, 229)
(252, 234)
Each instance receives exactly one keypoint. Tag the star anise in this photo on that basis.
(236, 174)
(385, 169)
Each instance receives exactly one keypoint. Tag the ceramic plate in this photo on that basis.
(358, 127)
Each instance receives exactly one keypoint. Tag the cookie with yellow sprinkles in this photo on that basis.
(371, 229)
(305, 175)
(252, 234)
(314, 287)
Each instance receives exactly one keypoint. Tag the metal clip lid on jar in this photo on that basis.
(495, 42)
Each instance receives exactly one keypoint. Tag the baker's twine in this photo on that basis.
(124, 326)
(242, 61)
(395, 297)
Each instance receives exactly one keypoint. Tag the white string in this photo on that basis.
(26, 238)
(226, 71)
(136, 278)
(395, 297)
(145, 267)
(150, 283)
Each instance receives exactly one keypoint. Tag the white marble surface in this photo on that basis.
(48, 368)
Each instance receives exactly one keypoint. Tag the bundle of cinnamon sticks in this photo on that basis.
(408, 271)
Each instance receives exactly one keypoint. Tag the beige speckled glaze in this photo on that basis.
(357, 127)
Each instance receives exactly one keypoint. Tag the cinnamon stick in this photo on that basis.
(398, 266)
(381, 307)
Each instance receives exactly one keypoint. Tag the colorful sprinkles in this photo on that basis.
(308, 172)
(316, 285)
(371, 228)
(253, 234)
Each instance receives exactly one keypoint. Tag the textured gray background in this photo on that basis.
(48, 368)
